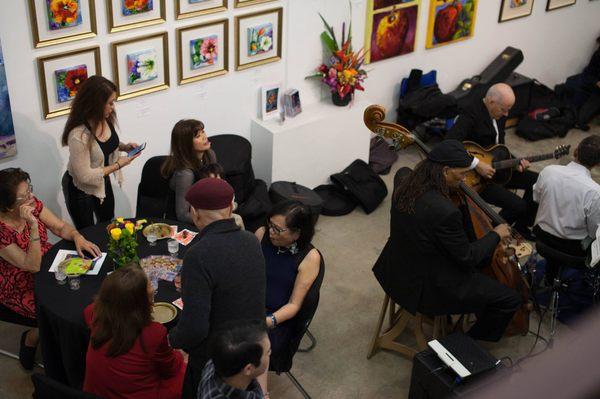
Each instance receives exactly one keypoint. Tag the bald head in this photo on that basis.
(499, 100)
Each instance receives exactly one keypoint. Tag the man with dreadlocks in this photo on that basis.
(428, 264)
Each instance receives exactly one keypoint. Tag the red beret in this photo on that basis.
(210, 194)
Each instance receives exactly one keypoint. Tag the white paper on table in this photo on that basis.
(62, 254)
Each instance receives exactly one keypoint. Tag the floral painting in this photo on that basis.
(517, 3)
(260, 39)
(450, 21)
(141, 66)
(132, 7)
(63, 13)
(204, 51)
(272, 97)
(68, 81)
(393, 33)
(8, 144)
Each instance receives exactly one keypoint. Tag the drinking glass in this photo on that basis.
(60, 276)
(173, 247)
(74, 282)
(151, 237)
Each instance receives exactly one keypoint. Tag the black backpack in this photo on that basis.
(363, 183)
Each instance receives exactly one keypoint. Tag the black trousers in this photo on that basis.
(514, 208)
(590, 108)
(570, 247)
(82, 207)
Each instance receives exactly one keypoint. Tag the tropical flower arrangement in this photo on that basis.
(122, 242)
(342, 72)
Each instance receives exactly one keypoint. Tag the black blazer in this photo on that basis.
(428, 255)
(475, 124)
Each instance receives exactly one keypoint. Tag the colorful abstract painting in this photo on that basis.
(8, 144)
(133, 7)
(204, 51)
(393, 33)
(141, 66)
(63, 13)
(260, 39)
(517, 3)
(272, 100)
(68, 81)
(450, 21)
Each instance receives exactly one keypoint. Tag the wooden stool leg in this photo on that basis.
(419, 335)
(375, 341)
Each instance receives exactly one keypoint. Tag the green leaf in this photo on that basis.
(329, 42)
(331, 33)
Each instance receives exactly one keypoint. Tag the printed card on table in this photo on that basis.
(66, 254)
(184, 237)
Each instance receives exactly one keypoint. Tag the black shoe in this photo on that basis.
(26, 353)
(525, 232)
(584, 127)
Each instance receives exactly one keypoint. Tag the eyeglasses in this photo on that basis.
(276, 229)
(27, 195)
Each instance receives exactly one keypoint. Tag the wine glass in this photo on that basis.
(60, 276)
(173, 247)
(151, 237)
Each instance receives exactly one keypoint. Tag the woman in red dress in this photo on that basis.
(129, 355)
(23, 242)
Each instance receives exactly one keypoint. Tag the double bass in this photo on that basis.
(504, 265)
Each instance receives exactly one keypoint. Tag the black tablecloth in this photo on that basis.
(64, 336)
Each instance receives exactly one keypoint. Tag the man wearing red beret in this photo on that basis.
(223, 276)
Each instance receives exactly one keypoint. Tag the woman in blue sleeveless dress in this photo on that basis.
(292, 265)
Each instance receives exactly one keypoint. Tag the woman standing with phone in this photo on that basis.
(94, 153)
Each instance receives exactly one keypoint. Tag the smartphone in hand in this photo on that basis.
(136, 150)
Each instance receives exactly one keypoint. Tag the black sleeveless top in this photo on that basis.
(109, 146)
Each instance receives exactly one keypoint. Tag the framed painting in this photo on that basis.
(131, 14)
(202, 51)
(513, 9)
(556, 4)
(258, 38)
(8, 143)
(141, 65)
(194, 8)
(245, 3)
(391, 28)
(270, 99)
(61, 76)
(61, 21)
(450, 22)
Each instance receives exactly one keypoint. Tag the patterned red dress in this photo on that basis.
(16, 285)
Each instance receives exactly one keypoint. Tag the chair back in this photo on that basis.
(10, 316)
(234, 154)
(155, 197)
(301, 322)
(47, 388)
(560, 258)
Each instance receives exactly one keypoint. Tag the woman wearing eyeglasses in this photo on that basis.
(292, 265)
(94, 153)
(23, 242)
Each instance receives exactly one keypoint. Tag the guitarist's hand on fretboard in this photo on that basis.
(523, 165)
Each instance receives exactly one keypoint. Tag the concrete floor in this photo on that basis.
(350, 303)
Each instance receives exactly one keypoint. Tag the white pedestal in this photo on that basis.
(308, 148)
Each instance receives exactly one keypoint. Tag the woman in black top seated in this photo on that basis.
(292, 265)
(187, 163)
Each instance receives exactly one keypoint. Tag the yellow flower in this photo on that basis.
(129, 226)
(115, 233)
(120, 220)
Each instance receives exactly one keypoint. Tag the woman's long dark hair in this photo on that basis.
(426, 176)
(183, 155)
(88, 105)
(121, 310)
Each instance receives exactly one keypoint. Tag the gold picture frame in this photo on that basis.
(510, 10)
(60, 76)
(136, 67)
(117, 22)
(456, 33)
(246, 3)
(47, 33)
(194, 67)
(557, 4)
(183, 11)
(248, 24)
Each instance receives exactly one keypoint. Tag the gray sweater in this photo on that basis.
(223, 278)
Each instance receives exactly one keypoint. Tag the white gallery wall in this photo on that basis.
(556, 44)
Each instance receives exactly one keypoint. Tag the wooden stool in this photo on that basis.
(398, 322)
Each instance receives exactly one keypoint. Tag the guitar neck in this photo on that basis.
(511, 163)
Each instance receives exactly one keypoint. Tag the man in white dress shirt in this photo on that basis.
(569, 200)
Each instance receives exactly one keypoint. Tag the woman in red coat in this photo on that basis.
(129, 355)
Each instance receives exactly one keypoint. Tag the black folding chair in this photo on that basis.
(9, 316)
(155, 197)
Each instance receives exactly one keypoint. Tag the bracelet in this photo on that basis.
(118, 165)
(34, 239)
(273, 320)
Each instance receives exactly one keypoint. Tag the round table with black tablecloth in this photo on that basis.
(64, 336)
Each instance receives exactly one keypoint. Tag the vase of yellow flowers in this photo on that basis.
(122, 241)
(342, 72)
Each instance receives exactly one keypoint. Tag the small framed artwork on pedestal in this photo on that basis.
(556, 4)
(141, 65)
(513, 9)
(270, 101)
(61, 76)
(292, 103)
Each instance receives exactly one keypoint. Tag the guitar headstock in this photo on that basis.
(373, 118)
(561, 151)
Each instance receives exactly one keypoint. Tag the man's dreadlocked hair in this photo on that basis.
(426, 176)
